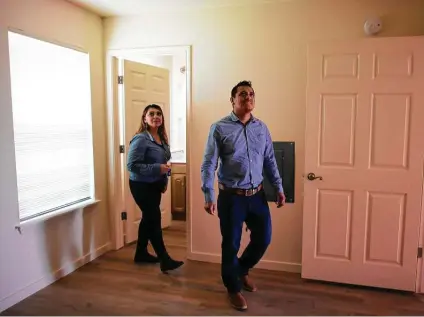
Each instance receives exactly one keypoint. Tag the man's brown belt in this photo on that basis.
(241, 192)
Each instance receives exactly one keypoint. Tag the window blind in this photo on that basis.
(51, 102)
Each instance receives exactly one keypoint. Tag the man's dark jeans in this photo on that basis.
(233, 211)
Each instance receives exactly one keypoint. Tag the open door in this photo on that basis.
(141, 85)
(364, 162)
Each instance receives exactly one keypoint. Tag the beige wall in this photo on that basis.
(266, 44)
(28, 260)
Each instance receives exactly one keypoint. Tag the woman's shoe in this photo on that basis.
(145, 258)
(168, 264)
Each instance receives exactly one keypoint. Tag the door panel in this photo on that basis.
(143, 85)
(178, 193)
(364, 137)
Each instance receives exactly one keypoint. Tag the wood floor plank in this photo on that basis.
(114, 285)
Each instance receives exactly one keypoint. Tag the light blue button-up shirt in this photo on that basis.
(145, 157)
(243, 152)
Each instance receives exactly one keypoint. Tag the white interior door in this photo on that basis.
(142, 85)
(365, 138)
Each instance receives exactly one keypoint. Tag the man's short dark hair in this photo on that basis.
(244, 83)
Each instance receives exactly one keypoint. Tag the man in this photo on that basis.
(243, 145)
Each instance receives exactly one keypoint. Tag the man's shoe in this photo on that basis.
(237, 301)
(248, 285)
(145, 258)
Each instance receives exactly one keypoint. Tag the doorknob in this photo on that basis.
(312, 177)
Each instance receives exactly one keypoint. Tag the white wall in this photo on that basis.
(266, 44)
(178, 108)
(52, 248)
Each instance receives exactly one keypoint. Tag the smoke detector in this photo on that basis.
(373, 26)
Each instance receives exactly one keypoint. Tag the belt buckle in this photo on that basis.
(249, 192)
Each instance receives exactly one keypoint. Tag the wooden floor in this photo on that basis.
(113, 285)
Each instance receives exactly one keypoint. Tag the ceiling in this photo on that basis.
(108, 8)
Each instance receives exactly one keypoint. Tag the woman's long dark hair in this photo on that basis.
(145, 127)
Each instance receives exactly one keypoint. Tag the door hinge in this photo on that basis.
(120, 80)
(124, 215)
(420, 252)
(122, 149)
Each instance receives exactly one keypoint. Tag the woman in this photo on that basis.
(148, 173)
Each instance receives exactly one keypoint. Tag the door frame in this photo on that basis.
(116, 200)
(419, 285)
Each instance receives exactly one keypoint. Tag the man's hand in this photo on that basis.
(281, 200)
(210, 208)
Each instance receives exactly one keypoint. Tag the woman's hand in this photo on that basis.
(164, 168)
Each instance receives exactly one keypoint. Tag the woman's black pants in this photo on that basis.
(148, 196)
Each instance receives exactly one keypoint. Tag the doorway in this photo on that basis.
(137, 77)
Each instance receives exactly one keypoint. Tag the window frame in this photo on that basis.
(93, 197)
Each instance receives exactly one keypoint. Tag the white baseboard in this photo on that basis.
(263, 264)
(38, 285)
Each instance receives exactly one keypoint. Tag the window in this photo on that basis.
(51, 103)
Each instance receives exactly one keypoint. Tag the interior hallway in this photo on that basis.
(113, 285)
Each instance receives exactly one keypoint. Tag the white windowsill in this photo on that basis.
(58, 212)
